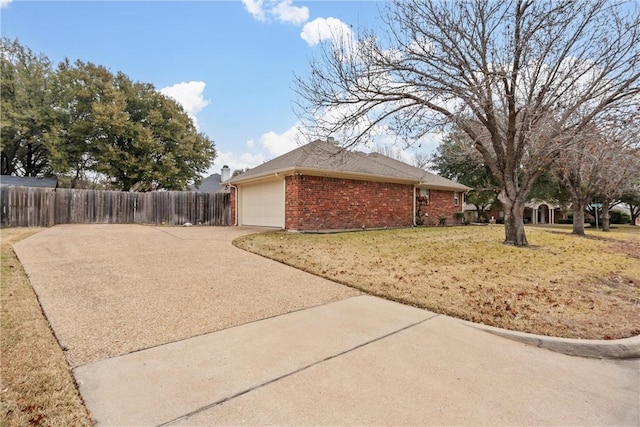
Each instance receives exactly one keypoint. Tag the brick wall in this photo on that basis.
(322, 203)
(232, 200)
(440, 203)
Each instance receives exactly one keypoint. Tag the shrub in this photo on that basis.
(617, 217)
(459, 216)
(442, 220)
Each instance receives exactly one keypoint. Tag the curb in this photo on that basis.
(626, 348)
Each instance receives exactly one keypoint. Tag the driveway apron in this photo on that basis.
(176, 326)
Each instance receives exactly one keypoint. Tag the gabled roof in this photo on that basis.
(210, 184)
(28, 181)
(328, 159)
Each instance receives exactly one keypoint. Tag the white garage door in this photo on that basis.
(262, 204)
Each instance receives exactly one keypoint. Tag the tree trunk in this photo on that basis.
(635, 213)
(514, 223)
(606, 217)
(578, 217)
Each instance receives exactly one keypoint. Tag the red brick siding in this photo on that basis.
(322, 203)
(232, 200)
(440, 203)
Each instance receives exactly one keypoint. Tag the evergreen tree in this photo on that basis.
(126, 132)
(26, 120)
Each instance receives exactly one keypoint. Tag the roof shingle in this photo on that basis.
(328, 157)
(29, 181)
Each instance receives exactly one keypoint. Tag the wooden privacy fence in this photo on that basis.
(44, 207)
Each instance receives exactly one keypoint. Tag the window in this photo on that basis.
(456, 198)
(423, 198)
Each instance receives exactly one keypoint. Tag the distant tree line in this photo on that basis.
(81, 122)
(603, 168)
(530, 87)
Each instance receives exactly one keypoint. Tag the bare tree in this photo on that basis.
(420, 160)
(389, 151)
(599, 168)
(521, 78)
(621, 165)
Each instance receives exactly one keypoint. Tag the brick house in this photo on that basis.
(322, 187)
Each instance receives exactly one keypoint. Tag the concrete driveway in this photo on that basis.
(175, 326)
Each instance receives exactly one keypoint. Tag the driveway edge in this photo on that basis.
(626, 348)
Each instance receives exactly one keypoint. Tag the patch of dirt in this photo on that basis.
(631, 249)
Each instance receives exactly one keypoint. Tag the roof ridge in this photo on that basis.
(376, 155)
(328, 156)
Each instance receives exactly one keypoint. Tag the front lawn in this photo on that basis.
(561, 285)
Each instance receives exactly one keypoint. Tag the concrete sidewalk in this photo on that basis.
(359, 361)
(176, 326)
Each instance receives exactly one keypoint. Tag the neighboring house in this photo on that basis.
(28, 181)
(212, 183)
(543, 212)
(321, 186)
(535, 212)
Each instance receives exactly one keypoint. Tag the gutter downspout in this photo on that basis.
(415, 186)
(235, 219)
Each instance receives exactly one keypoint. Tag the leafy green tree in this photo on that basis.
(237, 172)
(83, 122)
(453, 160)
(155, 145)
(128, 132)
(26, 119)
(631, 198)
(79, 91)
(549, 189)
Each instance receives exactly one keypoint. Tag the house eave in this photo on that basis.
(318, 172)
(282, 173)
(460, 187)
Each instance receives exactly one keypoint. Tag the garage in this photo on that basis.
(262, 204)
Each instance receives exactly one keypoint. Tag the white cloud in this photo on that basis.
(278, 144)
(254, 7)
(281, 10)
(4, 3)
(189, 95)
(250, 143)
(235, 161)
(286, 12)
(321, 29)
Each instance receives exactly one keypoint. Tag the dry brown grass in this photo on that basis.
(562, 285)
(36, 386)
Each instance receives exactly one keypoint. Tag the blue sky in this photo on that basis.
(231, 64)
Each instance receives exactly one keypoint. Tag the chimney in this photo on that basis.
(331, 139)
(225, 173)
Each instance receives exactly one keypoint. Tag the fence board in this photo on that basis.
(44, 207)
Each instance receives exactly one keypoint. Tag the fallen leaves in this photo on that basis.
(561, 286)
